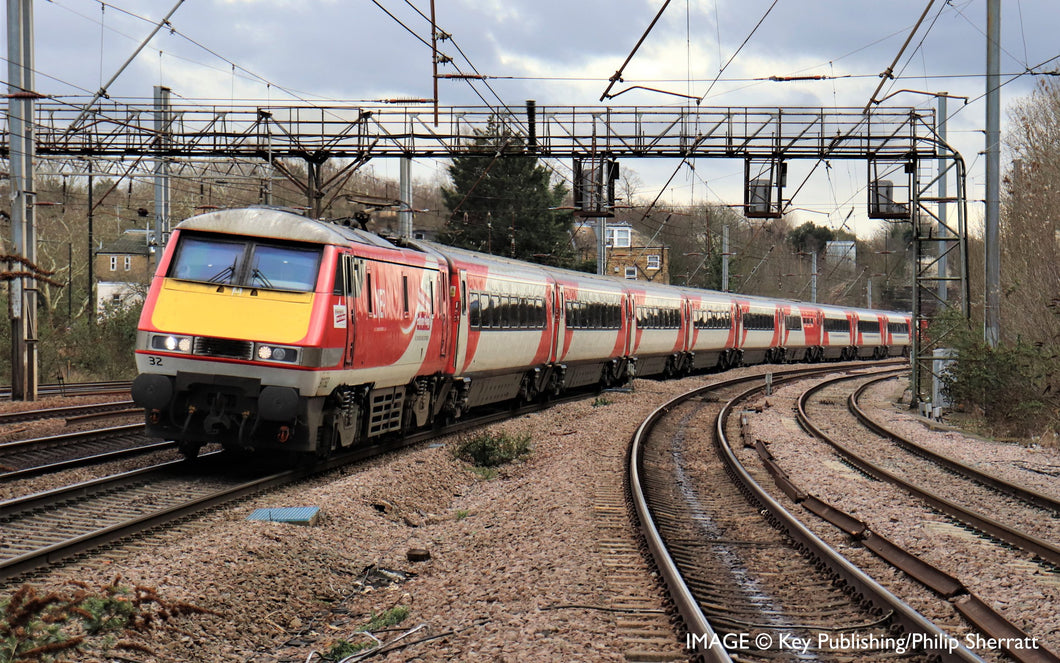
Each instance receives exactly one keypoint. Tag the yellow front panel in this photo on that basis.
(199, 309)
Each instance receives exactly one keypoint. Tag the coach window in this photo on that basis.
(507, 314)
(474, 315)
(489, 311)
(340, 278)
(405, 293)
(368, 290)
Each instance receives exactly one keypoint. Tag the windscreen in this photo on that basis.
(246, 262)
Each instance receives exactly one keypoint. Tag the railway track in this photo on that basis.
(76, 389)
(961, 483)
(48, 527)
(21, 459)
(71, 413)
(1004, 511)
(740, 586)
(1027, 495)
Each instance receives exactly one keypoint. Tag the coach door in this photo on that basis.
(558, 322)
(460, 322)
(441, 308)
(349, 285)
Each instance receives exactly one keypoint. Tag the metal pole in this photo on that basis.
(22, 147)
(813, 278)
(601, 245)
(162, 127)
(434, 58)
(943, 288)
(91, 245)
(868, 292)
(992, 331)
(725, 257)
(405, 213)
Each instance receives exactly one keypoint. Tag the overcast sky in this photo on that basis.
(563, 53)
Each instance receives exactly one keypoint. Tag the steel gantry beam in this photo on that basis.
(358, 132)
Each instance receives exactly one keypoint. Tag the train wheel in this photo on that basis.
(327, 435)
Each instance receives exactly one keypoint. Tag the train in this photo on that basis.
(264, 330)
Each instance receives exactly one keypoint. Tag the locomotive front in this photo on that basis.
(227, 345)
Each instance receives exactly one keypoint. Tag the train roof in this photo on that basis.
(279, 223)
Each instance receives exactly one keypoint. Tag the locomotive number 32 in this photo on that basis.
(154, 361)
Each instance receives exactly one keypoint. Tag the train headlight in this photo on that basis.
(278, 353)
(171, 343)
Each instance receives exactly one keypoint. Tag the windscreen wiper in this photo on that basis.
(224, 274)
(256, 274)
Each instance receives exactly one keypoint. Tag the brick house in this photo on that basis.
(628, 255)
(123, 269)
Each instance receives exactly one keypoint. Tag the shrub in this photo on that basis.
(1014, 386)
(491, 450)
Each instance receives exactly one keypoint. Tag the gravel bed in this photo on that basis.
(515, 571)
(1009, 580)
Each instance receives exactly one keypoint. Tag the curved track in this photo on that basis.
(964, 502)
(750, 600)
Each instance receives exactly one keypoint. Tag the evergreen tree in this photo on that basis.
(504, 205)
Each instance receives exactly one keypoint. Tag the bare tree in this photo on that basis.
(1030, 220)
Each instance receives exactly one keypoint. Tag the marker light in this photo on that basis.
(276, 353)
(171, 343)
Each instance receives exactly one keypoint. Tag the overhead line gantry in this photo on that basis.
(900, 145)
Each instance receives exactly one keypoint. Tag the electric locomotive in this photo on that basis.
(266, 330)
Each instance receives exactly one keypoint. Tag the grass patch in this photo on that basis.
(485, 473)
(492, 449)
(391, 617)
(601, 401)
(461, 514)
(341, 649)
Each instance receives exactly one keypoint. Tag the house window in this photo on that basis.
(653, 262)
(114, 263)
(631, 273)
(128, 263)
(619, 237)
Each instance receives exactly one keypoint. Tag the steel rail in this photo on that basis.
(685, 603)
(1023, 493)
(862, 583)
(1045, 550)
(65, 411)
